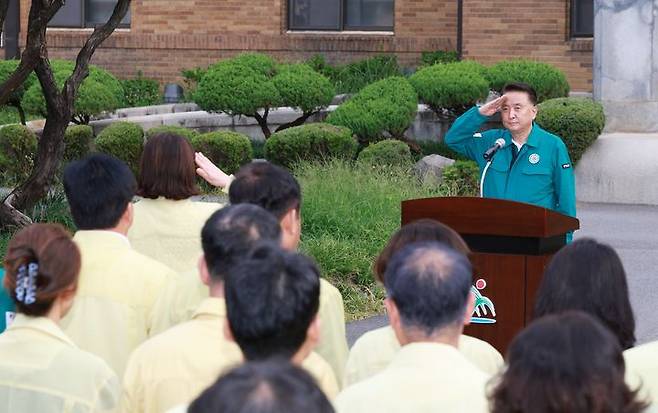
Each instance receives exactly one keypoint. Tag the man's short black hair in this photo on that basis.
(429, 283)
(267, 185)
(98, 189)
(229, 234)
(521, 87)
(274, 386)
(271, 299)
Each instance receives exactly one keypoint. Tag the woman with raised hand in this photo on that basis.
(41, 370)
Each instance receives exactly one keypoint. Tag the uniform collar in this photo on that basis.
(102, 238)
(425, 354)
(533, 138)
(213, 307)
(41, 324)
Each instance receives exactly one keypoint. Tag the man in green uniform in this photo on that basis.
(532, 167)
(6, 305)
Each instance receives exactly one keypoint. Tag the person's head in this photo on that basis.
(520, 107)
(229, 234)
(274, 386)
(42, 265)
(428, 286)
(274, 189)
(417, 231)
(99, 189)
(588, 276)
(272, 300)
(566, 362)
(167, 168)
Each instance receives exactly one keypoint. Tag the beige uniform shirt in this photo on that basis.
(170, 231)
(180, 299)
(375, 350)
(41, 370)
(174, 367)
(117, 290)
(642, 372)
(421, 378)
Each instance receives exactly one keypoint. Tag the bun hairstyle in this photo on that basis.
(41, 262)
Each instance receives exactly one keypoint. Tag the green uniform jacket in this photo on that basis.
(541, 175)
(6, 305)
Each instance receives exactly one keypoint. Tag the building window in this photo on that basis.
(86, 13)
(341, 15)
(582, 18)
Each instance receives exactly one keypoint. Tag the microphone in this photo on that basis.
(489, 153)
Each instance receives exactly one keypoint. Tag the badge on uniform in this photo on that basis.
(566, 165)
(534, 158)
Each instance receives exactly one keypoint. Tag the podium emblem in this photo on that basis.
(484, 311)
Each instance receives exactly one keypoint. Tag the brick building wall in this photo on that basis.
(167, 36)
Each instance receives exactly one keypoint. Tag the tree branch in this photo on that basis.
(297, 122)
(262, 122)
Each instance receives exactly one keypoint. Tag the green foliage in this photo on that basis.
(7, 68)
(450, 89)
(188, 134)
(301, 87)
(141, 91)
(461, 179)
(78, 141)
(18, 145)
(315, 141)
(123, 140)
(385, 153)
(439, 56)
(228, 150)
(355, 76)
(191, 78)
(577, 121)
(548, 81)
(320, 65)
(9, 114)
(386, 106)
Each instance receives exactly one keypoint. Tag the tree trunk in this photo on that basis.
(262, 122)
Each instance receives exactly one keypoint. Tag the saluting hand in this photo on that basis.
(490, 108)
(209, 171)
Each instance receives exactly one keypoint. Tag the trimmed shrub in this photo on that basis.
(18, 146)
(123, 140)
(228, 150)
(387, 106)
(439, 56)
(315, 141)
(578, 121)
(386, 153)
(191, 78)
(301, 87)
(7, 68)
(141, 91)
(78, 142)
(188, 134)
(548, 81)
(450, 89)
(355, 76)
(462, 178)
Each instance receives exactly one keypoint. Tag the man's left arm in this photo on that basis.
(564, 182)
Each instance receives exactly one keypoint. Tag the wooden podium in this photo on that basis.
(511, 242)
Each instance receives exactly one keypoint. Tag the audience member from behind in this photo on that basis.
(429, 300)
(374, 350)
(41, 370)
(167, 222)
(263, 387)
(172, 368)
(112, 313)
(565, 362)
(277, 190)
(272, 301)
(588, 276)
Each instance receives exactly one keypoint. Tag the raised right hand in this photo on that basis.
(490, 108)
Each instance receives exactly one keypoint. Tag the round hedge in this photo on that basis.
(548, 81)
(301, 87)
(18, 146)
(385, 153)
(123, 140)
(78, 141)
(315, 141)
(451, 86)
(578, 121)
(386, 106)
(188, 134)
(228, 150)
(141, 91)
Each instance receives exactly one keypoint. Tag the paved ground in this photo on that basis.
(633, 231)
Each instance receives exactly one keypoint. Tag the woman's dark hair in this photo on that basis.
(564, 363)
(588, 276)
(57, 260)
(417, 231)
(167, 168)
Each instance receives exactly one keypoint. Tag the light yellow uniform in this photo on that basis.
(174, 367)
(41, 370)
(117, 290)
(180, 299)
(375, 350)
(422, 378)
(170, 231)
(642, 372)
